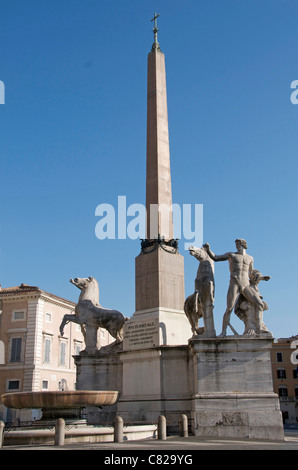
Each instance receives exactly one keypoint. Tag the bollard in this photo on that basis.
(118, 429)
(60, 432)
(184, 426)
(1, 433)
(162, 428)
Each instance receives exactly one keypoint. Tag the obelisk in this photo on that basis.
(159, 268)
(158, 177)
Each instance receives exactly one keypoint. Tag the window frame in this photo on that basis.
(48, 317)
(283, 389)
(281, 373)
(279, 357)
(47, 351)
(13, 389)
(42, 384)
(17, 358)
(63, 354)
(18, 310)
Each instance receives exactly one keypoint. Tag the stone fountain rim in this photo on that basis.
(60, 398)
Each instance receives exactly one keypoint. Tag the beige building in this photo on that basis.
(33, 354)
(284, 357)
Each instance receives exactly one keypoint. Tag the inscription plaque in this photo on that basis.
(141, 334)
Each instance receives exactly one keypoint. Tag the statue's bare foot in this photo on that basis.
(222, 334)
(251, 332)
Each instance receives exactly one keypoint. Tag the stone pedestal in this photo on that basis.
(159, 280)
(99, 372)
(150, 382)
(155, 381)
(156, 327)
(159, 319)
(233, 389)
(223, 385)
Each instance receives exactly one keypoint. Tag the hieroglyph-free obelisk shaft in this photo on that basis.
(158, 177)
(159, 267)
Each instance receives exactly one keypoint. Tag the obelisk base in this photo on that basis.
(159, 319)
(155, 382)
(234, 390)
(159, 280)
(156, 327)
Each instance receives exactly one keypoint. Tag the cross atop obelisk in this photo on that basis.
(155, 45)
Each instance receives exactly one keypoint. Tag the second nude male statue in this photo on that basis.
(241, 266)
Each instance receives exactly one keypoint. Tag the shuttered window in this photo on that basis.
(62, 353)
(47, 350)
(16, 350)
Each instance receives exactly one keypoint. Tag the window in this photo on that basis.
(283, 392)
(13, 385)
(18, 315)
(16, 349)
(47, 350)
(296, 392)
(48, 317)
(62, 353)
(77, 349)
(279, 357)
(45, 385)
(2, 353)
(62, 385)
(295, 373)
(281, 374)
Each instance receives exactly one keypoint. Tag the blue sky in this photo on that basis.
(73, 136)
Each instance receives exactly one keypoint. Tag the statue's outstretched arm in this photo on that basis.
(224, 257)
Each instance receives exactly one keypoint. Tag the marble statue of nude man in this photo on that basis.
(241, 266)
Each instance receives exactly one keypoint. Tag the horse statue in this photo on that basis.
(200, 303)
(251, 316)
(91, 315)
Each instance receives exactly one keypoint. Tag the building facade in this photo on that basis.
(284, 357)
(33, 354)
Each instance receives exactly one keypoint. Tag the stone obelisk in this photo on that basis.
(159, 268)
(158, 177)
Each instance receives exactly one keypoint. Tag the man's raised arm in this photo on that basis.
(224, 257)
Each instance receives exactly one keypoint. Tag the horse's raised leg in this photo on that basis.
(66, 319)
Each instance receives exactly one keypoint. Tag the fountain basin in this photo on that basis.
(60, 404)
(59, 399)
